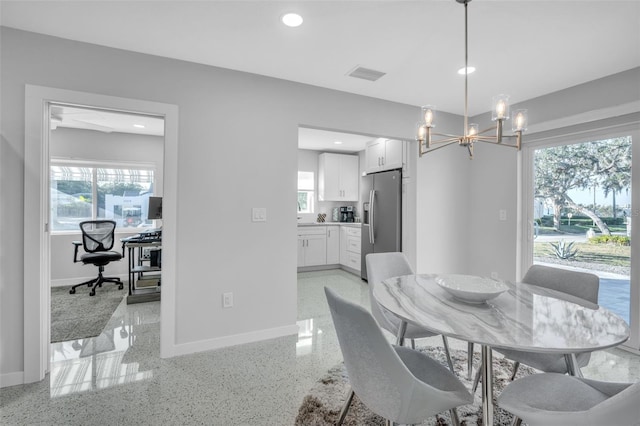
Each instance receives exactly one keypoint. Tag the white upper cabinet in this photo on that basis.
(338, 177)
(383, 154)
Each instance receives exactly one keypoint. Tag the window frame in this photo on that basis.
(94, 166)
(309, 190)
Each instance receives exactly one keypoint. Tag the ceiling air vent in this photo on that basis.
(365, 73)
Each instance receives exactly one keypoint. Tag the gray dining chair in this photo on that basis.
(398, 383)
(558, 399)
(381, 266)
(578, 284)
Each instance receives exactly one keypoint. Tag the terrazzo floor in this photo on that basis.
(118, 378)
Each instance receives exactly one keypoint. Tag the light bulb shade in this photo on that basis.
(421, 132)
(519, 120)
(472, 132)
(500, 110)
(428, 115)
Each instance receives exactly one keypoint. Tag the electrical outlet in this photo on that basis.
(502, 214)
(494, 275)
(227, 300)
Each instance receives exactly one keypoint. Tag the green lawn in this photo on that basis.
(606, 254)
(578, 229)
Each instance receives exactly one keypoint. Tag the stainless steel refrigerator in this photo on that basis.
(381, 195)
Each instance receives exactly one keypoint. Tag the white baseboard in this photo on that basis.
(68, 282)
(236, 339)
(11, 379)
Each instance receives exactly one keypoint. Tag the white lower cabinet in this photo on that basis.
(333, 244)
(343, 245)
(329, 245)
(350, 247)
(312, 246)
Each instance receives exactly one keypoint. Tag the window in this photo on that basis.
(84, 192)
(305, 192)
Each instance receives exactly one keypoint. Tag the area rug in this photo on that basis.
(322, 405)
(76, 316)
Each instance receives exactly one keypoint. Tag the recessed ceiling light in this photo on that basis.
(469, 70)
(291, 19)
(139, 126)
(337, 142)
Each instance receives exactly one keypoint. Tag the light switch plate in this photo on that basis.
(227, 300)
(259, 214)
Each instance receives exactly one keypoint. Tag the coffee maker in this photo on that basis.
(346, 214)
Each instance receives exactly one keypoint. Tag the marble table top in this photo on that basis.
(524, 317)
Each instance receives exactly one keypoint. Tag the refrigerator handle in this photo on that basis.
(372, 207)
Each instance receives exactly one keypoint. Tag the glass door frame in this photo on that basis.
(525, 207)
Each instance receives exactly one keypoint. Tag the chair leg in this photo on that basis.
(455, 420)
(87, 283)
(345, 408)
(413, 343)
(476, 380)
(573, 369)
(515, 370)
(446, 351)
(102, 279)
(469, 360)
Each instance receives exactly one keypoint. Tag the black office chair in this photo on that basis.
(97, 240)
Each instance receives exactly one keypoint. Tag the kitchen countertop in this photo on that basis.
(351, 224)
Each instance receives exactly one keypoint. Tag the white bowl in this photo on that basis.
(471, 289)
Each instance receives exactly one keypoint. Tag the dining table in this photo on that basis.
(521, 317)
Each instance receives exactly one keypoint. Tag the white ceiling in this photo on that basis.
(323, 140)
(522, 48)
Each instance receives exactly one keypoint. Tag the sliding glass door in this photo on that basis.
(581, 211)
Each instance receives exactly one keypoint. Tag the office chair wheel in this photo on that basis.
(92, 292)
(72, 291)
(120, 287)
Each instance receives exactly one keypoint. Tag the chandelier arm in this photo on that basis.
(447, 135)
(496, 143)
(488, 129)
(440, 147)
(486, 139)
(447, 140)
(494, 138)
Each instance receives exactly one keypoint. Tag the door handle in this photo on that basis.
(372, 199)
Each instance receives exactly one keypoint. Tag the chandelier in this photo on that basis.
(500, 113)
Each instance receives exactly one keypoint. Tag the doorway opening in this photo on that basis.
(103, 165)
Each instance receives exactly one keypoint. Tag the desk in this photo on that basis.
(137, 269)
(524, 317)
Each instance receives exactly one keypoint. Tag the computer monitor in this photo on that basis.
(155, 208)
